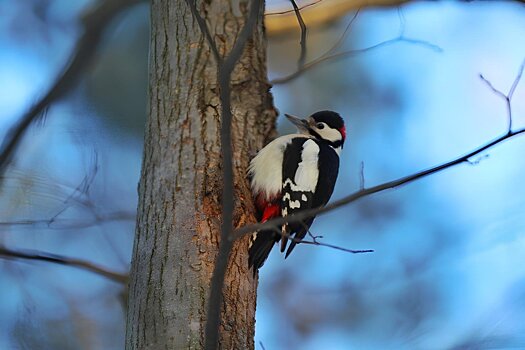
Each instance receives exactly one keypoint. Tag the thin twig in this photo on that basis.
(302, 57)
(322, 244)
(314, 237)
(315, 240)
(6, 253)
(507, 97)
(517, 80)
(504, 97)
(301, 216)
(289, 11)
(81, 190)
(350, 53)
(95, 22)
(342, 38)
(68, 224)
(204, 29)
(327, 55)
(494, 90)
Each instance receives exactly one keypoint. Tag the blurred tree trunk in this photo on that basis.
(179, 214)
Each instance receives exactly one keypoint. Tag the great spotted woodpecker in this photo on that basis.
(292, 173)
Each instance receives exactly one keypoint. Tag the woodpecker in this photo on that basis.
(292, 173)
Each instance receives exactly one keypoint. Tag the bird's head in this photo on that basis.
(327, 126)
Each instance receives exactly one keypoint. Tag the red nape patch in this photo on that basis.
(343, 132)
(271, 211)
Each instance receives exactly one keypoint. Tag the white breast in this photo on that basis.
(266, 168)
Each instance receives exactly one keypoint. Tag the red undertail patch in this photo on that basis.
(272, 210)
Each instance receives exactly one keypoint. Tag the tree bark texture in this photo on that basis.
(179, 215)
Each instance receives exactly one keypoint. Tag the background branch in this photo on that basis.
(326, 57)
(6, 253)
(322, 244)
(95, 22)
(342, 38)
(315, 240)
(302, 57)
(68, 224)
(290, 11)
(324, 12)
(508, 96)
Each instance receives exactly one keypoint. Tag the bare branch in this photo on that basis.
(342, 38)
(494, 90)
(289, 11)
(507, 97)
(95, 23)
(351, 53)
(225, 69)
(327, 56)
(298, 217)
(65, 224)
(517, 80)
(314, 237)
(6, 253)
(80, 196)
(316, 242)
(302, 57)
(204, 29)
(504, 97)
(327, 12)
(81, 189)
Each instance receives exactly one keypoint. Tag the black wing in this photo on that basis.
(302, 159)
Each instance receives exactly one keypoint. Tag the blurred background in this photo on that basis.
(448, 271)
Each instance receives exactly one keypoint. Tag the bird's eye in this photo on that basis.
(320, 125)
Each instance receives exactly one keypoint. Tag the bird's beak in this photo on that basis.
(301, 124)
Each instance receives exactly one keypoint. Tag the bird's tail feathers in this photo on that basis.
(300, 229)
(260, 248)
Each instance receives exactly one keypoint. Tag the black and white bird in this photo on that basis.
(292, 173)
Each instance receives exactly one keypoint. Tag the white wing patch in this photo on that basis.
(308, 170)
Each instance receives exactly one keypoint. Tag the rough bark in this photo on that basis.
(179, 214)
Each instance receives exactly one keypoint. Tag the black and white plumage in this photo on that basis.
(292, 173)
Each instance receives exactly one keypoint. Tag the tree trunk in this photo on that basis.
(179, 214)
